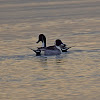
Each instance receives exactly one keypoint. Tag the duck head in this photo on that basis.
(42, 38)
(59, 44)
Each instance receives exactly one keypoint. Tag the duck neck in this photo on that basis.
(58, 47)
(44, 43)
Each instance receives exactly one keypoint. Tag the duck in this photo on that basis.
(42, 38)
(50, 50)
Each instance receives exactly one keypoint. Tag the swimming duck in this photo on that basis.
(50, 50)
(42, 39)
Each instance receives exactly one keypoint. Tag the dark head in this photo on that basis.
(58, 42)
(42, 38)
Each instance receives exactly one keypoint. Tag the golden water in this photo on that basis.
(74, 75)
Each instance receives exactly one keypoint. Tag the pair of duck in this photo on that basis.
(56, 49)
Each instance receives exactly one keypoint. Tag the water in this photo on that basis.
(74, 75)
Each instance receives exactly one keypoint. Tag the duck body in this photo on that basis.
(50, 50)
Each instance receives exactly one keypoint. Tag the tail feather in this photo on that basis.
(68, 48)
(38, 52)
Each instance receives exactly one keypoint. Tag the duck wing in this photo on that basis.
(51, 48)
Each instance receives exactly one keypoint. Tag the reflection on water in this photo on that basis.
(74, 75)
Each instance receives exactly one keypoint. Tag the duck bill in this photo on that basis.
(63, 45)
(38, 41)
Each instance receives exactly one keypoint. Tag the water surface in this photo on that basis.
(74, 75)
